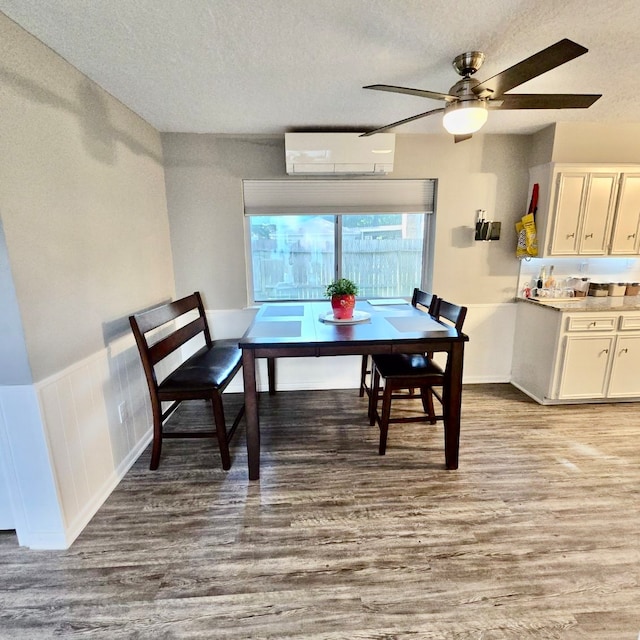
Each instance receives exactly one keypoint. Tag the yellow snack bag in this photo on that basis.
(521, 246)
(531, 237)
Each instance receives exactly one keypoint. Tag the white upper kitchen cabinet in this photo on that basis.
(569, 204)
(587, 210)
(626, 231)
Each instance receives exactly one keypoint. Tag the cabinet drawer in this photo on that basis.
(630, 323)
(591, 323)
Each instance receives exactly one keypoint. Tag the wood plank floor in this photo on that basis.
(537, 535)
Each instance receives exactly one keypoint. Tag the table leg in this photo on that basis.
(251, 413)
(452, 396)
(271, 375)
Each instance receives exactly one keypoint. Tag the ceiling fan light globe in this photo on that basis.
(465, 117)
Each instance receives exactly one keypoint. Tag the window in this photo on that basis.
(297, 248)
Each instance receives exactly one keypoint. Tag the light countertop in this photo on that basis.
(590, 303)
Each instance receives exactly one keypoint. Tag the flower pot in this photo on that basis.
(343, 306)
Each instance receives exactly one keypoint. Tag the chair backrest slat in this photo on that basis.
(154, 318)
(453, 313)
(425, 301)
(165, 346)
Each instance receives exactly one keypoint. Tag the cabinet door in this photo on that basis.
(626, 232)
(570, 193)
(625, 372)
(598, 213)
(585, 366)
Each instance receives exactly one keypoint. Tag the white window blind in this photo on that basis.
(338, 196)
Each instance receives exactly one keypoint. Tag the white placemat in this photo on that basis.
(384, 301)
(412, 325)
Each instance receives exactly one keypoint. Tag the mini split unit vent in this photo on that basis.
(339, 153)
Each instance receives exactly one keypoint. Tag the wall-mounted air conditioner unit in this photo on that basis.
(331, 153)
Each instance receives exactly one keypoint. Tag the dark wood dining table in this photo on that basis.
(303, 329)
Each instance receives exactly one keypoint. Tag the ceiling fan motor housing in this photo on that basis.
(463, 89)
(466, 64)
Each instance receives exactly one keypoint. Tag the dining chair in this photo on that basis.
(160, 333)
(427, 302)
(400, 371)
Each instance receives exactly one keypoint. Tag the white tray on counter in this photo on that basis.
(576, 299)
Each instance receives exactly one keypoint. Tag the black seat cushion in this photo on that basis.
(205, 369)
(401, 365)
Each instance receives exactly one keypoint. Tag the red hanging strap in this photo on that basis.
(533, 207)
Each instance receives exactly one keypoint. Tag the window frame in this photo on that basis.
(428, 240)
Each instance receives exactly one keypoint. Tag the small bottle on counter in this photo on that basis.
(541, 278)
(550, 282)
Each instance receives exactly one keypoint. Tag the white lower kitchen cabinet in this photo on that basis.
(587, 351)
(623, 382)
(584, 367)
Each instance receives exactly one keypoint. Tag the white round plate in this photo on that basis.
(358, 316)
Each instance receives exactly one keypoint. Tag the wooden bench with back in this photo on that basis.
(203, 376)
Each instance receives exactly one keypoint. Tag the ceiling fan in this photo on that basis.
(469, 100)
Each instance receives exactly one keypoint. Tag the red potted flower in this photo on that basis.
(343, 298)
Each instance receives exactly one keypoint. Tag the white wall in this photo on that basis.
(83, 207)
(596, 143)
(83, 204)
(204, 176)
(598, 269)
(487, 172)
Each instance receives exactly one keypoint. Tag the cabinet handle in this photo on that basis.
(593, 324)
(571, 235)
(630, 236)
(625, 350)
(589, 235)
(605, 351)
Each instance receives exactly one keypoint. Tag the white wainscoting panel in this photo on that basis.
(90, 448)
(63, 446)
(491, 331)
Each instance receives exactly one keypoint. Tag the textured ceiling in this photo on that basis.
(269, 66)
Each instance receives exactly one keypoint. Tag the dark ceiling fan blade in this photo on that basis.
(462, 138)
(396, 124)
(422, 93)
(544, 101)
(536, 65)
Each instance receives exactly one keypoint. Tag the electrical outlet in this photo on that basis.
(583, 267)
(122, 412)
